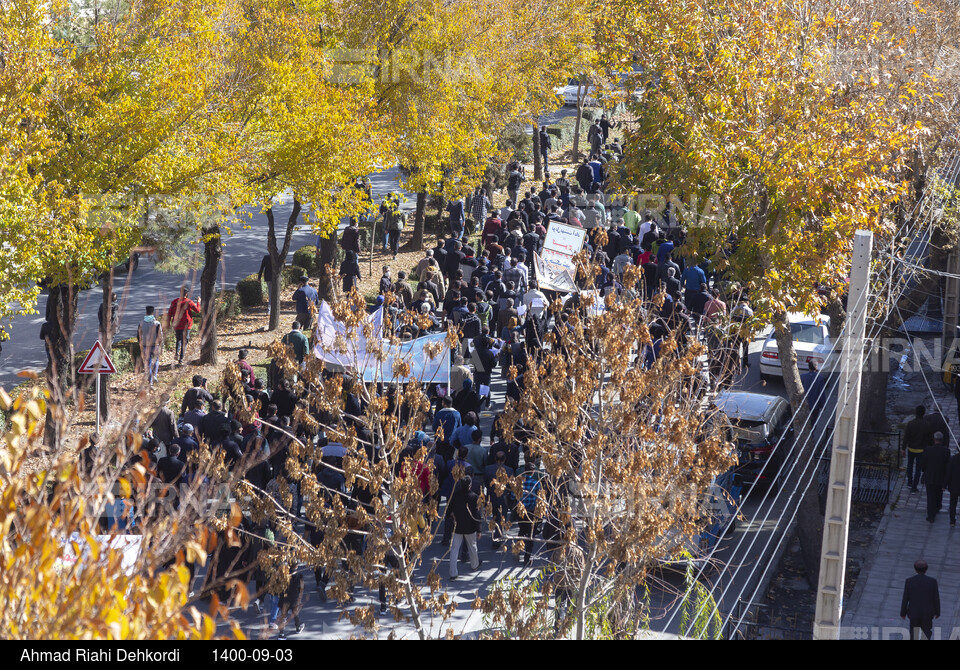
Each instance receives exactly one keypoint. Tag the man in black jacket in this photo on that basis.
(170, 467)
(584, 175)
(921, 601)
(935, 460)
(453, 259)
(199, 390)
(211, 424)
(466, 518)
(545, 146)
(952, 484)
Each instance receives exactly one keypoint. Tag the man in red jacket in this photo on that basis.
(180, 315)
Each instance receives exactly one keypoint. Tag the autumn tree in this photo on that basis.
(625, 453)
(308, 137)
(786, 161)
(27, 60)
(67, 577)
(454, 76)
(372, 529)
(119, 99)
(628, 458)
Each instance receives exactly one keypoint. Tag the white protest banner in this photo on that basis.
(554, 266)
(563, 239)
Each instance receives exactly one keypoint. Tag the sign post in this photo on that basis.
(97, 362)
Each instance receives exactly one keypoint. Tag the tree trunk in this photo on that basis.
(873, 397)
(928, 284)
(212, 254)
(809, 518)
(537, 166)
(580, 604)
(328, 273)
(419, 222)
(61, 317)
(106, 339)
(278, 257)
(838, 316)
(576, 127)
(373, 242)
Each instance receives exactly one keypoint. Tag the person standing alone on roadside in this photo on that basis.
(266, 274)
(545, 147)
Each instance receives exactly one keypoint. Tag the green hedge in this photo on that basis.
(562, 132)
(228, 305)
(516, 143)
(291, 275)
(436, 224)
(252, 291)
(131, 351)
(121, 359)
(306, 258)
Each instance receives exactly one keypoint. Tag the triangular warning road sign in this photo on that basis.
(97, 362)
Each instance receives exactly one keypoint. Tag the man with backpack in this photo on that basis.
(458, 218)
(393, 222)
(150, 337)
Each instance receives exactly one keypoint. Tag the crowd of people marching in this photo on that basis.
(481, 281)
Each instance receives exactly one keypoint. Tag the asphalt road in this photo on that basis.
(744, 561)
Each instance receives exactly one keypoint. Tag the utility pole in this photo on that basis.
(833, 556)
(951, 300)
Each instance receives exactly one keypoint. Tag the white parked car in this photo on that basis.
(811, 341)
(569, 94)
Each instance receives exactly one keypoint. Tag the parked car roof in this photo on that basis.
(746, 406)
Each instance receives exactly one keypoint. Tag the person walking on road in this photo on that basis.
(180, 316)
(466, 518)
(306, 297)
(545, 146)
(298, 341)
(921, 601)
(150, 337)
(935, 460)
(393, 223)
(350, 238)
(953, 485)
(916, 436)
(458, 218)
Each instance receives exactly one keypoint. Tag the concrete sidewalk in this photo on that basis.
(904, 535)
(873, 610)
